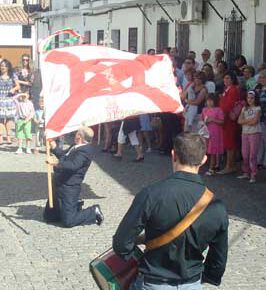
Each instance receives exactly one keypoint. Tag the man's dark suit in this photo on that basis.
(68, 176)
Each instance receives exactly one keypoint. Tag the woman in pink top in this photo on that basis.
(214, 118)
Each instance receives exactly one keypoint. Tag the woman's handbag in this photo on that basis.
(111, 272)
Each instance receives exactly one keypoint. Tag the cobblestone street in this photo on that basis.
(34, 255)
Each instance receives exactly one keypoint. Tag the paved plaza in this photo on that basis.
(34, 255)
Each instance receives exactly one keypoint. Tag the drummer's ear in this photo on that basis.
(204, 160)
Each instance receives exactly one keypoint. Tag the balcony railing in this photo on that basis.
(84, 1)
(31, 8)
(90, 1)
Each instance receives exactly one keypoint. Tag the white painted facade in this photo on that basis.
(209, 33)
(11, 35)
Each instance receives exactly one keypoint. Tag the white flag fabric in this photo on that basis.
(86, 84)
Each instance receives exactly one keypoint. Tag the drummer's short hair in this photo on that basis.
(86, 133)
(190, 149)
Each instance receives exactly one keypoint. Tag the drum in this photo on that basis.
(110, 272)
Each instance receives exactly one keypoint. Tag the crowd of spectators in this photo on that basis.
(16, 107)
(217, 99)
(224, 101)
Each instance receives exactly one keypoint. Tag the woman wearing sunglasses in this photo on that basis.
(25, 74)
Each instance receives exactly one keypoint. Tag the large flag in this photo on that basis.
(89, 85)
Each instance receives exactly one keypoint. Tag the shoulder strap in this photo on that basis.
(184, 224)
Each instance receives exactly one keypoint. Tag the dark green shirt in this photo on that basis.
(160, 207)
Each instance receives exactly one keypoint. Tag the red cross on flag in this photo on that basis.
(89, 85)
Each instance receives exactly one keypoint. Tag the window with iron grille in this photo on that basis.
(26, 31)
(133, 39)
(162, 35)
(100, 36)
(182, 39)
(65, 39)
(264, 45)
(115, 35)
(56, 41)
(87, 37)
(232, 37)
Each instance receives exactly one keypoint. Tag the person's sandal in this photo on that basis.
(139, 159)
(117, 157)
(8, 140)
(210, 172)
(226, 171)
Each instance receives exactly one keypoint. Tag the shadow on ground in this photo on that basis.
(21, 187)
(16, 187)
(243, 200)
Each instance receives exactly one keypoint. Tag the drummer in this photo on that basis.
(160, 207)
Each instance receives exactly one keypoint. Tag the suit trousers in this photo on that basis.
(67, 209)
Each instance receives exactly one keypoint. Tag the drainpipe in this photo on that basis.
(144, 31)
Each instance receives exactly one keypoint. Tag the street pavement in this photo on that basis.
(35, 255)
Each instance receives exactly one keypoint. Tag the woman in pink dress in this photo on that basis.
(214, 119)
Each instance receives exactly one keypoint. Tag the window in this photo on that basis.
(87, 37)
(133, 40)
(100, 36)
(26, 31)
(115, 35)
(162, 35)
(264, 45)
(75, 4)
(65, 41)
(182, 41)
(56, 41)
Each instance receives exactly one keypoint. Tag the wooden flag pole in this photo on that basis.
(49, 176)
(99, 133)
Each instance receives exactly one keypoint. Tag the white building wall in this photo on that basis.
(122, 20)
(61, 4)
(94, 23)
(68, 21)
(155, 14)
(208, 34)
(11, 34)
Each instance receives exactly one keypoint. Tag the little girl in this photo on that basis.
(25, 113)
(251, 136)
(214, 119)
(190, 110)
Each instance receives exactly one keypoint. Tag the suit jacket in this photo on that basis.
(72, 167)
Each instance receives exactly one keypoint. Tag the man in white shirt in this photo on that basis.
(206, 54)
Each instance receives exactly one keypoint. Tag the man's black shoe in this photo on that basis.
(80, 205)
(99, 215)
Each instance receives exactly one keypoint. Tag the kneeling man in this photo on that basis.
(70, 168)
(178, 264)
